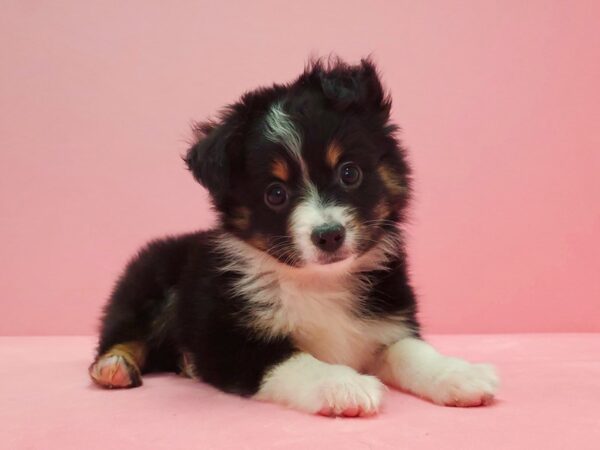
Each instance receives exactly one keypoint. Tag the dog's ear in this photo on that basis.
(348, 86)
(209, 159)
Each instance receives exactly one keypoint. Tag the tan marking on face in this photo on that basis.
(240, 218)
(333, 154)
(259, 241)
(392, 181)
(280, 169)
(382, 209)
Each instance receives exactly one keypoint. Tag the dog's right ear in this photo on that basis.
(209, 159)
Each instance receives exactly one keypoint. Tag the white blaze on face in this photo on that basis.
(313, 212)
(280, 128)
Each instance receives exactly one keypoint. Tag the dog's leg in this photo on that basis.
(303, 382)
(137, 329)
(413, 365)
(120, 366)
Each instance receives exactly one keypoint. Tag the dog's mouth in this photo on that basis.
(292, 254)
(324, 259)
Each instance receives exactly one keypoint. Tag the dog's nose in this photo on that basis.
(329, 237)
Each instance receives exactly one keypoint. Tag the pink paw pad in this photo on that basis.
(478, 400)
(352, 411)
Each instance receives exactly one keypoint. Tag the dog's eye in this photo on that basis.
(276, 196)
(350, 174)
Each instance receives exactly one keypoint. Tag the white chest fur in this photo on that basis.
(323, 322)
(317, 308)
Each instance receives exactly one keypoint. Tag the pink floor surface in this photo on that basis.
(549, 399)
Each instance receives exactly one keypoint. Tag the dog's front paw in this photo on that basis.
(349, 394)
(310, 385)
(459, 383)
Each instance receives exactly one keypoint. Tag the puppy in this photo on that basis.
(300, 295)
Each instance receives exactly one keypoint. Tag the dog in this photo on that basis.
(300, 295)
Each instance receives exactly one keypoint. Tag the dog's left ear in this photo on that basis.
(357, 85)
(209, 159)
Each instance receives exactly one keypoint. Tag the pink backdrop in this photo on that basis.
(499, 103)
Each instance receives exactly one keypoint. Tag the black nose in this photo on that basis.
(328, 237)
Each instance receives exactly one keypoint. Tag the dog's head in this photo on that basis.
(309, 172)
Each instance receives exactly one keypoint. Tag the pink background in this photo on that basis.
(499, 103)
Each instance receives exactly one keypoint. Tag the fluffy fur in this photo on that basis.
(300, 295)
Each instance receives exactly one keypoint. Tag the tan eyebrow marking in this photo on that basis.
(392, 181)
(333, 154)
(280, 169)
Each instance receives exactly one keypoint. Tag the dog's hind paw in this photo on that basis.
(113, 370)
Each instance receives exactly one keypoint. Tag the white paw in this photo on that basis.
(347, 393)
(310, 385)
(459, 383)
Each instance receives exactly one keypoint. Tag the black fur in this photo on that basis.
(174, 297)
